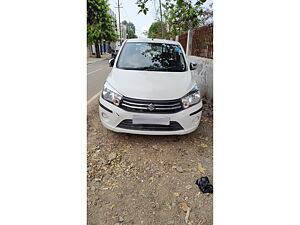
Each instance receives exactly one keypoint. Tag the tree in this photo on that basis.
(179, 15)
(124, 22)
(183, 15)
(155, 30)
(142, 5)
(207, 16)
(100, 24)
(130, 29)
(131, 34)
(130, 26)
(145, 32)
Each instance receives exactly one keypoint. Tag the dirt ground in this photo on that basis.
(135, 179)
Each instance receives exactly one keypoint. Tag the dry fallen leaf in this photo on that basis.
(188, 186)
(187, 215)
(184, 206)
(203, 145)
(176, 194)
(201, 169)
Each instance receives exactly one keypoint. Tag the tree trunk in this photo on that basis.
(91, 48)
(104, 47)
(97, 50)
(101, 51)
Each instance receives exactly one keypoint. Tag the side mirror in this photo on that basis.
(111, 62)
(114, 53)
(193, 66)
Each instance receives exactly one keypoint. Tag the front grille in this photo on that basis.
(151, 106)
(127, 124)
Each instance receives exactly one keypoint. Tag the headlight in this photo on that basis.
(111, 95)
(192, 98)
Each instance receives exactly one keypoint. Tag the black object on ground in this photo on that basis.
(204, 185)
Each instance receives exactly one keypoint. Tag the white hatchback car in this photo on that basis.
(150, 90)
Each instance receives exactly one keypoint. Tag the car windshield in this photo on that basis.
(152, 57)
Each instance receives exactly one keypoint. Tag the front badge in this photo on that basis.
(151, 107)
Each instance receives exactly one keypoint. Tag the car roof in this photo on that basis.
(153, 40)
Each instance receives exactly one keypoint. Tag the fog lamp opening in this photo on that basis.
(104, 115)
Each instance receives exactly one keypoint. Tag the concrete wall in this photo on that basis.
(204, 72)
(203, 75)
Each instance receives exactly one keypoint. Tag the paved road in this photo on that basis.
(96, 75)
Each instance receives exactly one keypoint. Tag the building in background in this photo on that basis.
(123, 36)
(123, 32)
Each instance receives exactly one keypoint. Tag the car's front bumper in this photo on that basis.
(111, 116)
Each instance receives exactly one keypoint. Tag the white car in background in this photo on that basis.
(150, 90)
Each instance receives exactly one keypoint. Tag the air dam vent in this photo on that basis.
(127, 124)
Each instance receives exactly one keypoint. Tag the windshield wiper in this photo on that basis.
(171, 69)
(134, 68)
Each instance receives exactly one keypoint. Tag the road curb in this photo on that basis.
(97, 60)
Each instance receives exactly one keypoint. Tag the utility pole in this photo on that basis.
(162, 31)
(119, 18)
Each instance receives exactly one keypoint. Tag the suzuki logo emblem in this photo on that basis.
(151, 107)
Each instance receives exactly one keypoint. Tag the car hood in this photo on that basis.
(152, 85)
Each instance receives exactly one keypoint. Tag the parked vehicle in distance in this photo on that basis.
(150, 90)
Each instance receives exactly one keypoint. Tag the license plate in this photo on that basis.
(136, 119)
